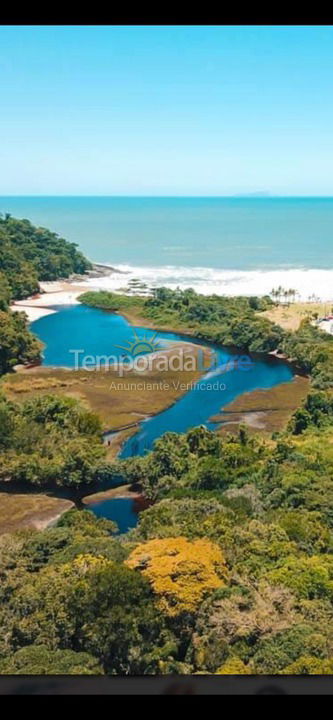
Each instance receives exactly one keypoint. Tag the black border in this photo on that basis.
(164, 14)
(189, 686)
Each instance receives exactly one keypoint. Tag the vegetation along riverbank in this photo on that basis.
(230, 568)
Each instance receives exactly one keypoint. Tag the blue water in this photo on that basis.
(229, 233)
(97, 332)
(215, 389)
(120, 510)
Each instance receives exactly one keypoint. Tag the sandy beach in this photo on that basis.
(53, 294)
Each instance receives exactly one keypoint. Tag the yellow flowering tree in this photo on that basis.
(234, 666)
(181, 572)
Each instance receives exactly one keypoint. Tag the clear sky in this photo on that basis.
(166, 110)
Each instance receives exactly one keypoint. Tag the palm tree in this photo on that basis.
(285, 295)
(280, 292)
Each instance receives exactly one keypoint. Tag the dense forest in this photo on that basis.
(229, 570)
(51, 442)
(28, 254)
(230, 321)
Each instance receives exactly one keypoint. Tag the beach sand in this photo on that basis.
(53, 294)
(289, 317)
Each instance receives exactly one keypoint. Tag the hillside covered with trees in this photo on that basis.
(28, 254)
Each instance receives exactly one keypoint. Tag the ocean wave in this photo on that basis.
(306, 282)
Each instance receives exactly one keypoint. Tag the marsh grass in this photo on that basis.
(266, 411)
(34, 510)
(117, 406)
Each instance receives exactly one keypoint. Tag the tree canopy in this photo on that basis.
(29, 254)
(230, 568)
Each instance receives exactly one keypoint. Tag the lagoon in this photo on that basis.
(96, 332)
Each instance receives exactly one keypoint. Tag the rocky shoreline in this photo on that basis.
(98, 270)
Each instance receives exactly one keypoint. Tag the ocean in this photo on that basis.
(234, 245)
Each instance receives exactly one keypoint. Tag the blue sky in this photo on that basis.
(166, 110)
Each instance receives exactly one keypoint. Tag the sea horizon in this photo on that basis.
(238, 244)
(251, 195)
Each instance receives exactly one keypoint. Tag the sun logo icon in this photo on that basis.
(140, 345)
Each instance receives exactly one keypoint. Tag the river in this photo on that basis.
(95, 332)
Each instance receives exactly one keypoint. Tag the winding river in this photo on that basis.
(95, 333)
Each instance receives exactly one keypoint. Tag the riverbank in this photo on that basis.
(53, 294)
(66, 292)
(265, 411)
(35, 510)
(63, 292)
(121, 402)
(123, 491)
